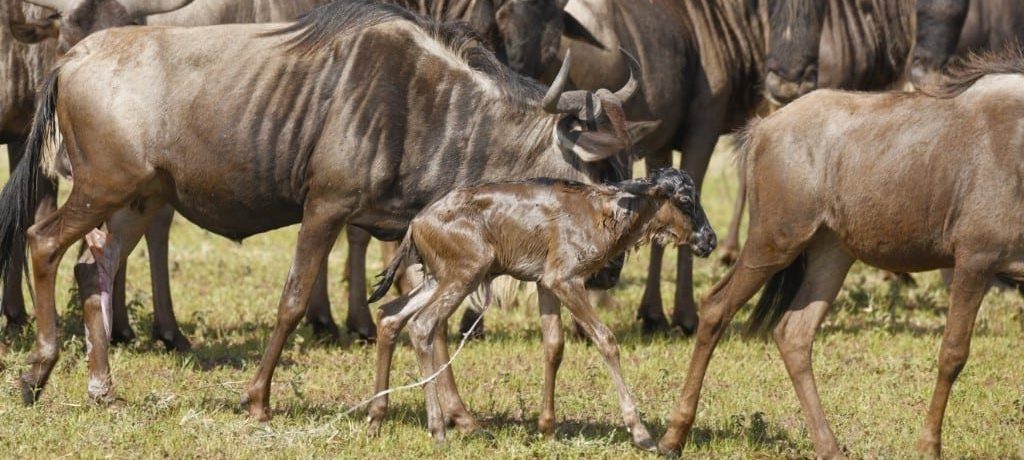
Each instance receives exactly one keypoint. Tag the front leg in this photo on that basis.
(554, 345)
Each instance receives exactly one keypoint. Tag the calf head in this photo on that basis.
(791, 67)
(76, 19)
(680, 219)
(592, 124)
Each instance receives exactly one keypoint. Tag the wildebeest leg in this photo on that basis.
(730, 248)
(971, 277)
(759, 259)
(94, 274)
(697, 149)
(122, 332)
(554, 344)
(827, 266)
(423, 330)
(165, 325)
(394, 315)
(321, 224)
(573, 295)
(359, 319)
(455, 412)
(12, 304)
(48, 239)
(651, 312)
(318, 315)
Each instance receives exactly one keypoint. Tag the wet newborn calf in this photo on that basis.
(553, 232)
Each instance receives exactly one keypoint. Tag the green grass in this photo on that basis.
(874, 361)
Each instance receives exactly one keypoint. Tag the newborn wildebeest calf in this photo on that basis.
(904, 182)
(554, 232)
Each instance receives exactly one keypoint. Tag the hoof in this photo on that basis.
(326, 330)
(668, 452)
(363, 333)
(123, 337)
(254, 410)
(689, 327)
(172, 341)
(651, 326)
(30, 390)
(103, 395)
(373, 427)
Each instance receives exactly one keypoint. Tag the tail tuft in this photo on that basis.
(405, 252)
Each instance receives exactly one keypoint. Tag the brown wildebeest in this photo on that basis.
(955, 28)
(704, 61)
(843, 44)
(554, 232)
(822, 173)
(492, 19)
(23, 70)
(264, 126)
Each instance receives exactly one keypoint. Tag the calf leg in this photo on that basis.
(573, 295)
(455, 412)
(827, 266)
(970, 282)
(359, 319)
(394, 315)
(651, 312)
(321, 224)
(165, 324)
(95, 272)
(759, 260)
(554, 344)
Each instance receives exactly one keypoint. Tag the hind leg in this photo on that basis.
(971, 277)
(48, 239)
(95, 272)
(759, 259)
(554, 345)
(165, 324)
(827, 266)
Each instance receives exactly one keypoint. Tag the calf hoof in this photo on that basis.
(929, 449)
(172, 340)
(727, 255)
(101, 393)
(668, 451)
(373, 427)
(30, 390)
(122, 337)
(466, 328)
(546, 427)
(254, 409)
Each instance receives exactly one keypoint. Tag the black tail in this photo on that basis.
(19, 198)
(406, 252)
(776, 297)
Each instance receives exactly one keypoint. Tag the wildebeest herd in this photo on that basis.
(427, 121)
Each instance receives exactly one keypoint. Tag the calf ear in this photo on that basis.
(34, 32)
(638, 130)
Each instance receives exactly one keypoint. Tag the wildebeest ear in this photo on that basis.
(640, 129)
(572, 28)
(589, 146)
(34, 32)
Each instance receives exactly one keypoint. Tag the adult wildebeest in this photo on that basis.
(22, 71)
(704, 61)
(821, 174)
(845, 44)
(951, 28)
(247, 128)
(496, 20)
(554, 232)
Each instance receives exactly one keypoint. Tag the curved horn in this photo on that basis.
(140, 8)
(550, 101)
(632, 84)
(59, 5)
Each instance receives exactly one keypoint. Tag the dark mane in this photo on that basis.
(966, 72)
(320, 29)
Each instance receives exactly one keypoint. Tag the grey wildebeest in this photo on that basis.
(496, 20)
(956, 28)
(822, 172)
(22, 71)
(303, 123)
(704, 62)
(556, 233)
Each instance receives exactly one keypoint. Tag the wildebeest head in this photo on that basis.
(939, 23)
(594, 125)
(792, 62)
(531, 31)
(681, 218)
(77, 19)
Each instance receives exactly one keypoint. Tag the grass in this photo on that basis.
(875, 362)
